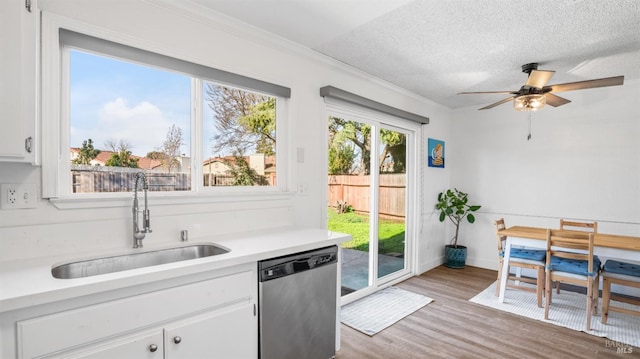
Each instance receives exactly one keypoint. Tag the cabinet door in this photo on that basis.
(18, 68)
(228, 333)
(147, 345)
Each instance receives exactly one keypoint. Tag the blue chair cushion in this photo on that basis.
(575, 266)
(618, 267)
(530, 254)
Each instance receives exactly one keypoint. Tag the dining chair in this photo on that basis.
(521, 258)
(570, 260)
(577, 226)
(620, 273)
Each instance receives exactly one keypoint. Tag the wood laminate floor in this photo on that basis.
(453, 327)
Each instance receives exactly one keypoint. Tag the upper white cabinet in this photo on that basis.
(18, 80)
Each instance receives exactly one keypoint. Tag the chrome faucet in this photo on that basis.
(138, 235)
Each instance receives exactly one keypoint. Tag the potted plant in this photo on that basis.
(452, 204)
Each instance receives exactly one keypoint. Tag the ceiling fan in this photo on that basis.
(535, 93)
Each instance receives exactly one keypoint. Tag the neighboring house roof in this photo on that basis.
(103, 157)
(269, 161)
(148, 163)
(226, 159)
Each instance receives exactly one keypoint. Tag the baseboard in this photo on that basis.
(483, 263)
(429, 265)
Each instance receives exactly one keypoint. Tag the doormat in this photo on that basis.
(381, 309)
(567, 309)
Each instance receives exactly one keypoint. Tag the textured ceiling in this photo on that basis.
(439, 48)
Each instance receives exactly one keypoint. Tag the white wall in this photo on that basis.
(582, 162)
(222, 44)
(434, 235)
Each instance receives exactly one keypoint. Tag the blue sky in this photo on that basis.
(116, 100)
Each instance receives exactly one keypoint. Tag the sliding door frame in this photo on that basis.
(413, 133)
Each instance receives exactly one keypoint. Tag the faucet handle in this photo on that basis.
(146, 221)
(184, 235)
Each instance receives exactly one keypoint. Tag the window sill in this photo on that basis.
(113, 200)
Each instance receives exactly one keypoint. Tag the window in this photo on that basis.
(240, 140)
(126, 118)
(190, 128)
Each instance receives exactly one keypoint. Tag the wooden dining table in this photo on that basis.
(606, 245)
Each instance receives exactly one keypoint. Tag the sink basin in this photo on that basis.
(104, 265)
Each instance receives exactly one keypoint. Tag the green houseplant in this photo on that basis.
(453, 204)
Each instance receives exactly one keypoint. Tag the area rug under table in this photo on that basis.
(381, 309)
(568, 309)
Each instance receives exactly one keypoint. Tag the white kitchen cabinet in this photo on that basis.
(18, 85)
(211, 318)
(224, 334)
(141, 345)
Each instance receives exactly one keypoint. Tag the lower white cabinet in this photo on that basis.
(212, 318)
(224, 333)
(218, 334)
(141, 345)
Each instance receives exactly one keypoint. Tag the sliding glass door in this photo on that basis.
(369, 163)
(391, 202)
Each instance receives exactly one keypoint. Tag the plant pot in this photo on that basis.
(455, 257)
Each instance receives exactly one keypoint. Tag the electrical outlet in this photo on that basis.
(18, 195)
(11, 196)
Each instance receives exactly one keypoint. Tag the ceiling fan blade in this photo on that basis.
(539, 78)
(555, 101)
(580, 85)
(487, 92)
(498, 103)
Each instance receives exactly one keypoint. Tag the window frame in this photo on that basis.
(55, 117)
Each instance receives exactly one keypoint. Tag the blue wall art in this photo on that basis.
(436, 152)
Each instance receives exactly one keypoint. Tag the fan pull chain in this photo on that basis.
(529, 135)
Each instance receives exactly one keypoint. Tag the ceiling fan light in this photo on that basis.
(531, 102)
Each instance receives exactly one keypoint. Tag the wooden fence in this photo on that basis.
(85, 181)
(356, 192)
(212, 180)
(90, 179)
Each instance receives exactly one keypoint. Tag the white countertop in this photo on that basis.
(25, 283)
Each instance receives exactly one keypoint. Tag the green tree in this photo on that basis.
(243, 175)
(86, 154)
(243, 120)
(343, 133)
(155, 155)
(350, 141)
(261, 121)
(122, 158)
(341, 159)
(395, 150)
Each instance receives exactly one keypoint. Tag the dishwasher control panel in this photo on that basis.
(283, 266)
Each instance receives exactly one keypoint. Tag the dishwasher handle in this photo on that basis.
(301, 265)
(297, 265)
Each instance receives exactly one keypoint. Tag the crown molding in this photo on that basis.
(221, 22)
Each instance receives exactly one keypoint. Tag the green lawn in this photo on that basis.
(391, 233)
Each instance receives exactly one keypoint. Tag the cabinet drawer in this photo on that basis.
(135, 346)
(60, 331)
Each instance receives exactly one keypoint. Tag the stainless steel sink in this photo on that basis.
(104, 265)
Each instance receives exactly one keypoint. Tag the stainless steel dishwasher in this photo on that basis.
(297, 303)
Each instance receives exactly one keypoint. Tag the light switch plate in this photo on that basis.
(18, 195)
